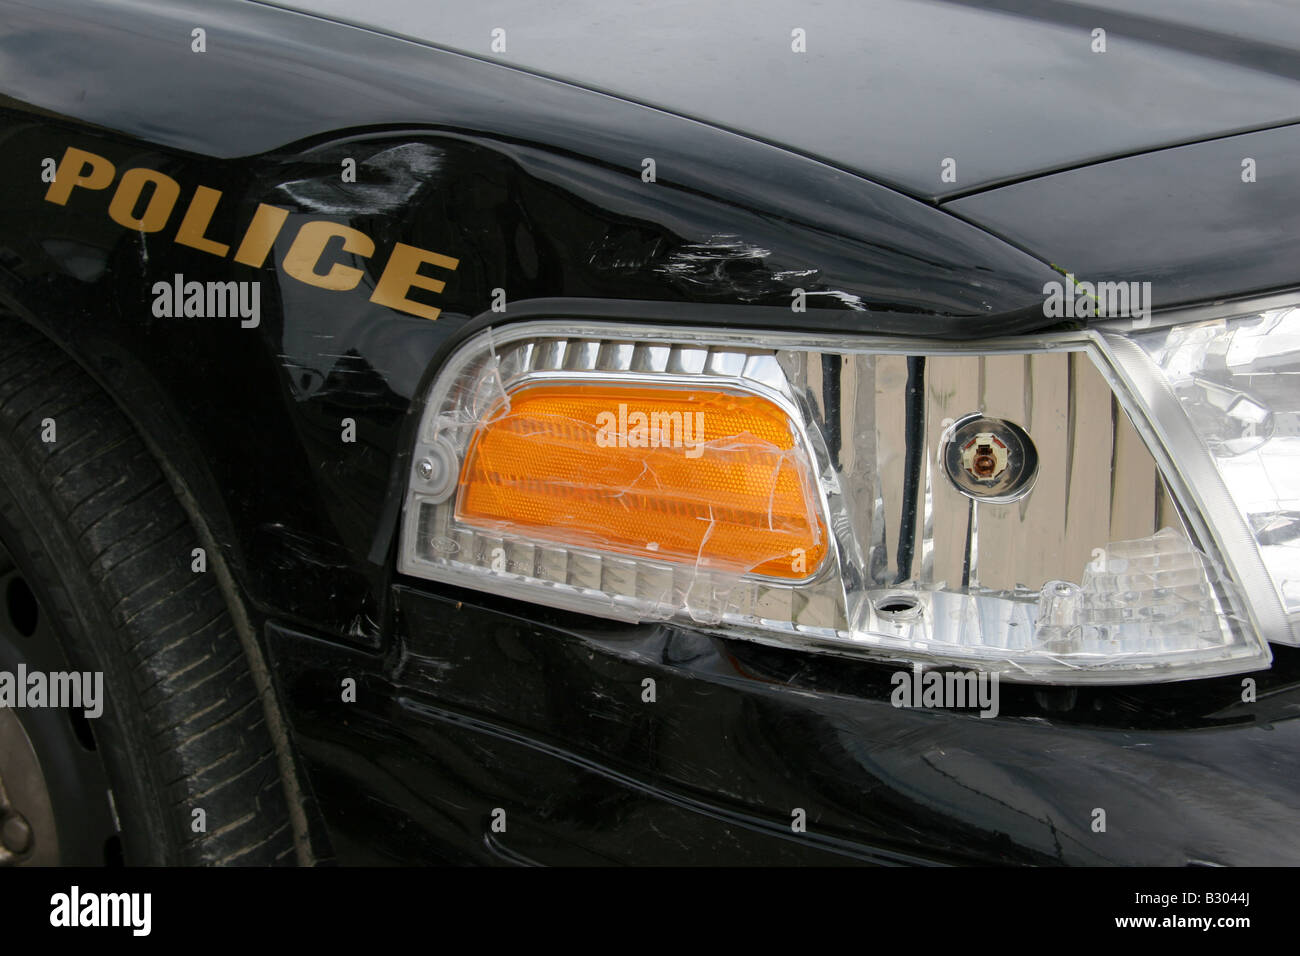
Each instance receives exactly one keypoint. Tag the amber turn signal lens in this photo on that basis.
(700, 477)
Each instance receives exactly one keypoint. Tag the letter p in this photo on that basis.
(79, 168)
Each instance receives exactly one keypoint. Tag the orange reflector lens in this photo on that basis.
(691, 476)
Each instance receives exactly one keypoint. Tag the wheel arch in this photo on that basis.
(194, 489)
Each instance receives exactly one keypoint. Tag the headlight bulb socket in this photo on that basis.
(988, 459)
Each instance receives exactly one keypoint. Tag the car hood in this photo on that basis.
(1002, 90)
(1201, 222)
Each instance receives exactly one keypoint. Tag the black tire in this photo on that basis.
(92, 528)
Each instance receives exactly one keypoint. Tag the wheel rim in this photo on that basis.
(54, 793)
(28, 834)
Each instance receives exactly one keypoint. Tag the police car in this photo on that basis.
(728, 433)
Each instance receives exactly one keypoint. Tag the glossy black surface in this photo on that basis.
(890, 88)
(466, 702)
(1182, 219)
(542, 714)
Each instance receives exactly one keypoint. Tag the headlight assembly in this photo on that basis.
(1098, 506)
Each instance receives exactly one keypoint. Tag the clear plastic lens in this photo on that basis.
(1238, 382)
(815, 503)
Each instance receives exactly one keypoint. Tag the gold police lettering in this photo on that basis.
(302, 261)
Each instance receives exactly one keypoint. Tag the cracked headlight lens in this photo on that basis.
(1017, 506)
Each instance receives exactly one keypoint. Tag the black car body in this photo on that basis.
(525, 169)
